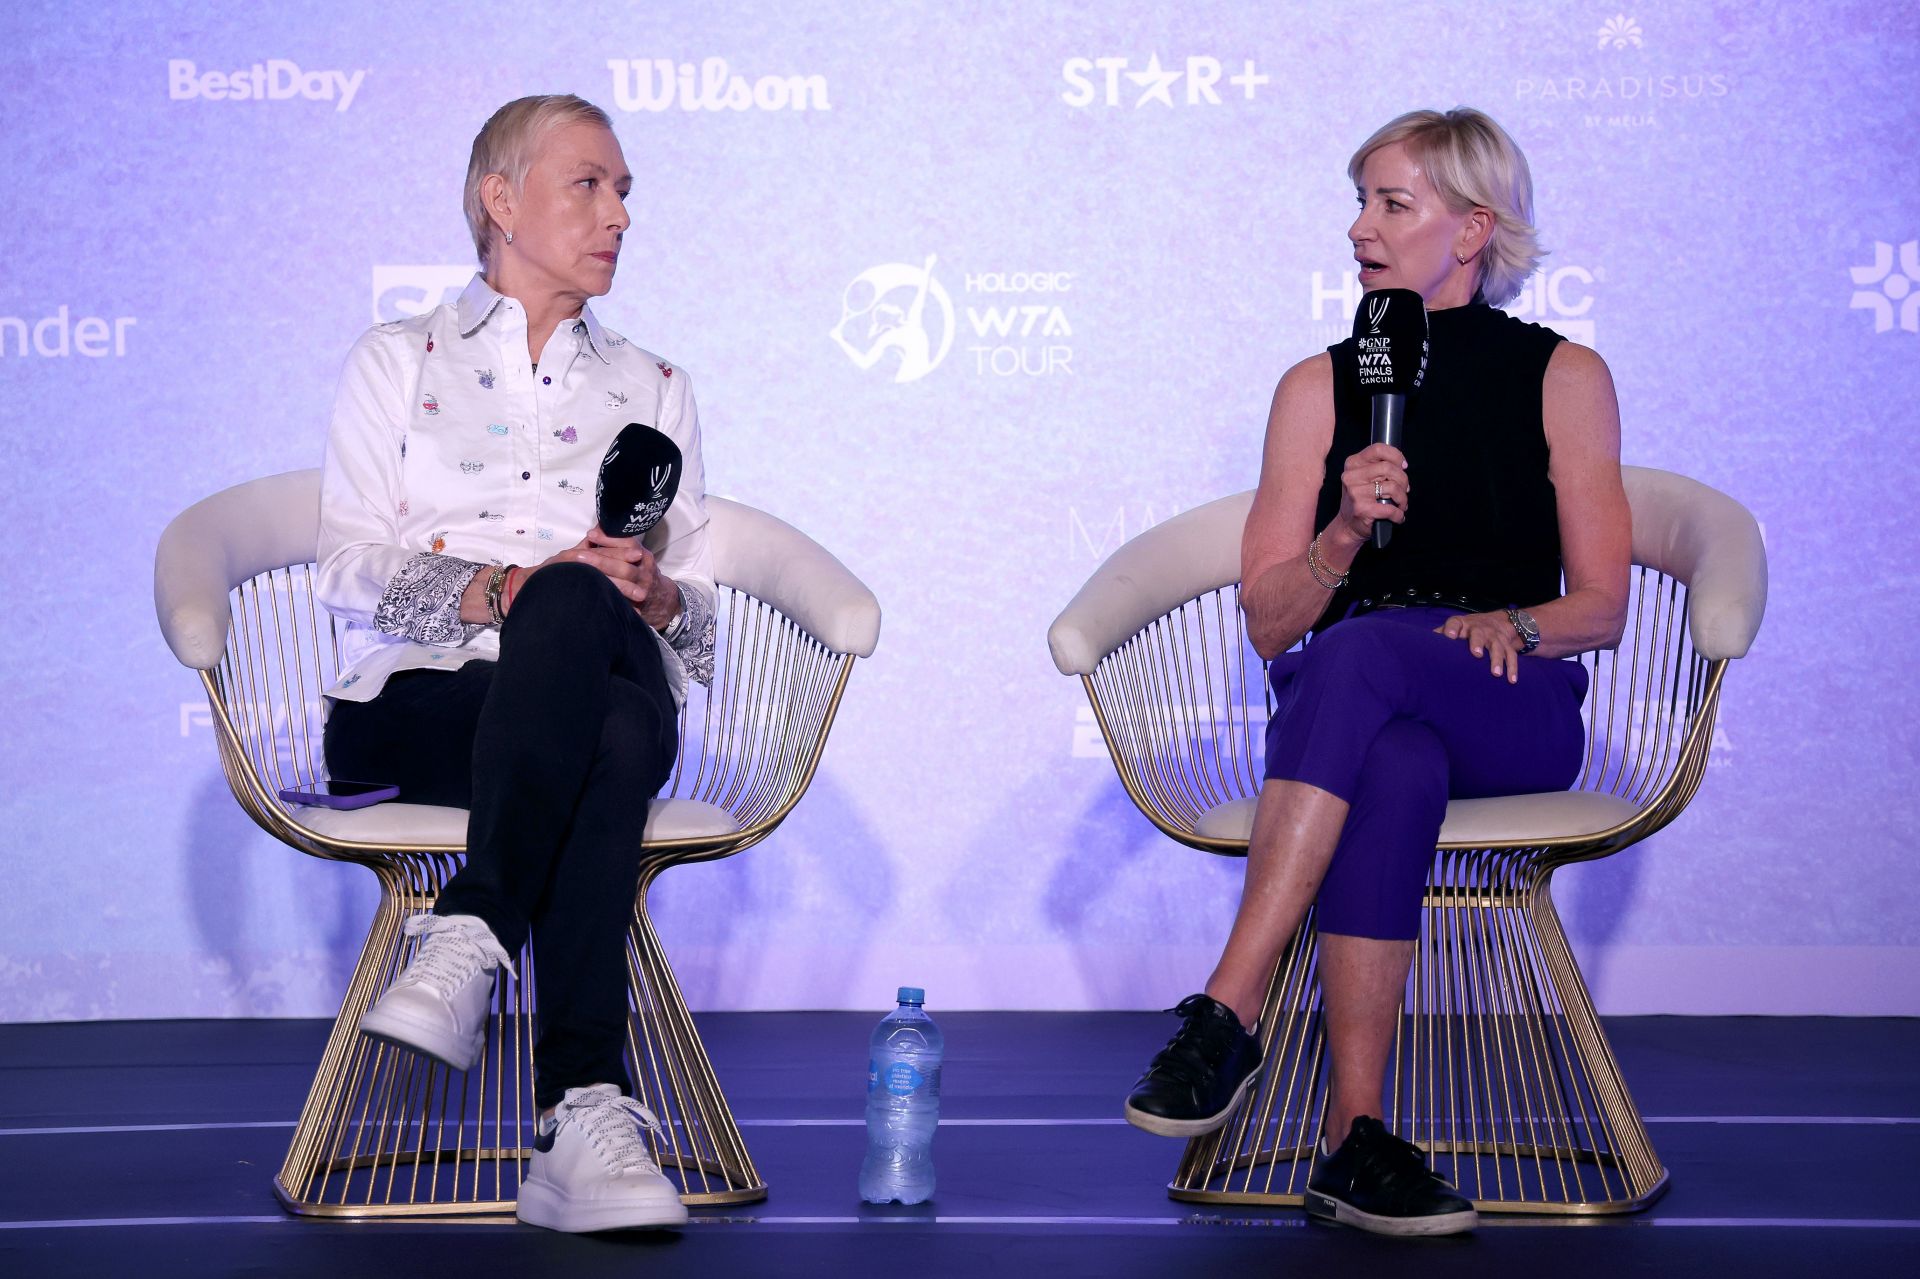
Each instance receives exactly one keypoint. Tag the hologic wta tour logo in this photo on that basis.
(885, 310)
(1098, 82)
(1021, 321)
(658, 84)
(1898, 293)
(1622, 91)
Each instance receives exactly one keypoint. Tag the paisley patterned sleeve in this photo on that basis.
(422, 600)
(693, 640)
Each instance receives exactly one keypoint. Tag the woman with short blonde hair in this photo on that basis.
(1435, 670)
(1471, 162)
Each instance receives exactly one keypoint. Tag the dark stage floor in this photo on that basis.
(146, 1148)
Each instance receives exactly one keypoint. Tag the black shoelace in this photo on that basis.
(1198, 1048)
(1396, 1165)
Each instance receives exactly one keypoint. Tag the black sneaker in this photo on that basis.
(1195, 1082)
(1377, 1182)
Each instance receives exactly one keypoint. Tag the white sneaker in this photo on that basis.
(592, 1170)
(438, 1006)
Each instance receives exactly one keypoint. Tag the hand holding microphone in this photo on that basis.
(638, 479)
(1390, 330)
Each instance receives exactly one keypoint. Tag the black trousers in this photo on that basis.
(555, 750)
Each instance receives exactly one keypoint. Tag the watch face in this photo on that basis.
(1523, 622)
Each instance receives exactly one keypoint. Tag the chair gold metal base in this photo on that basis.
(1500, 1071)
(388, 1133)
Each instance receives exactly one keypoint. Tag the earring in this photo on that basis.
(1461, 256)
(510, 241)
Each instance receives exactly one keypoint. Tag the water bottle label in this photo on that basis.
(903, 1079)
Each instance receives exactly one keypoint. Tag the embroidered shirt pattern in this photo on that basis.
(695, 638)
(422, 601)
(497, 467)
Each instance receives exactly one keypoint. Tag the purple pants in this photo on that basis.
(1397, 720)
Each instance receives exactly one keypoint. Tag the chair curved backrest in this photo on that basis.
(1157, 637)
(233, 589)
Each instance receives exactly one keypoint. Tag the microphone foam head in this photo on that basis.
(638, 478)
(1390, 328)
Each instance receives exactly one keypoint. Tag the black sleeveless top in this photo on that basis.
(1482, 524)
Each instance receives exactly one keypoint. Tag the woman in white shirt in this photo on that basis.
(504, 654)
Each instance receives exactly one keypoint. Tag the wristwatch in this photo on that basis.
(1523, 623)
(671, 631)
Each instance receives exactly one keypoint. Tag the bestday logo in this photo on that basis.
(275, 80)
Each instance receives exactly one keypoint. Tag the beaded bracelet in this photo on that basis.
(495, 581)
(1317, 565)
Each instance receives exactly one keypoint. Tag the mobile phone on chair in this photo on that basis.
(340, 793)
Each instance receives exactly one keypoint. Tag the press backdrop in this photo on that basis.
(1132, 217)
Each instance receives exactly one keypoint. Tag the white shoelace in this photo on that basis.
(454, 950)
(613, 1124)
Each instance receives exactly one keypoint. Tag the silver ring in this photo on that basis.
(1377, 496)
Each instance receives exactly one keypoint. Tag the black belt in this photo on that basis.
(1411, 598)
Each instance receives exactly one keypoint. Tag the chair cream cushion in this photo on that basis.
(414, 824)
(1477, 823)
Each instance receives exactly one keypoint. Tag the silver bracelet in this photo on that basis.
(1317, 565)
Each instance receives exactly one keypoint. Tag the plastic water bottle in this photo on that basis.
(903, 1103)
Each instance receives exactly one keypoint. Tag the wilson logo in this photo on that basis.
(658, 84)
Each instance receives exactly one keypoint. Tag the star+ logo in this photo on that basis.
(1099, 82)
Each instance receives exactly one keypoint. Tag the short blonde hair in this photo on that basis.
(507, 144)
(1472, 162)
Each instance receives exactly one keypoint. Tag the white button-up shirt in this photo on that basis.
(449, 452)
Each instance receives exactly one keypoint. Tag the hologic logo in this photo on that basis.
(1154, 83)
(276, 80)
(1562, 299)
(1900, 287)
(886, 309)
(657, 84)
(401, 292)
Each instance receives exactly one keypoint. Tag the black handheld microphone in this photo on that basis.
(638, 478)
(1390, 328)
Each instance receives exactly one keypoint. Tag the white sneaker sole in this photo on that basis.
(1163, 1127)
(542, 1205)
(391, 1026)
(1327, 1208)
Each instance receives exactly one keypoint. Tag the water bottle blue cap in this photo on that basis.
(912, 995)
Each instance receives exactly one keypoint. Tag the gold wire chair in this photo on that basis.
(389, 1133)
(1501, 1069)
